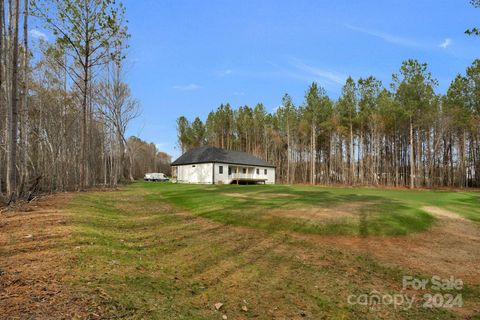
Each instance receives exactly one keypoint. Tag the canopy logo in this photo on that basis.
(375, 299)
(449, 298)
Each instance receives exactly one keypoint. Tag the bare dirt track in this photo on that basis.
(321, 214)
(450, 248)
(34, 240)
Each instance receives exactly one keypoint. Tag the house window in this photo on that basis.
(220, 169)
(265, 171)
(193, 166)
(229, 170)
(244, 170)
(258, 171)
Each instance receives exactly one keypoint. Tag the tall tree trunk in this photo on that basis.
(360, 157)
(24, 113)
(288, 153)
(13, 111)
(352, 156)
(412, 159)
(2, 92)
(450, 147)
(396, 155)
(83, 156)
(312, 154)
(462, 171)
(429, 170)
(86, 78)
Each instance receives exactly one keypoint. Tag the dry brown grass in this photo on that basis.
(256, 196)
(35, 248)
(322, 214)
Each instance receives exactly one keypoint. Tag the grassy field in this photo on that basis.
(167, 251)
(372, 211)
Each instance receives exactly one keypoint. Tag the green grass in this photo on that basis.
(380, 212)
(146, 251)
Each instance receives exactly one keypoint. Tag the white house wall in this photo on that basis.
(195, 173)
(221, 178)
(226, 179)
(202, 173)
(270, 175)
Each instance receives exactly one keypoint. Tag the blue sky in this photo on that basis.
(188, 57)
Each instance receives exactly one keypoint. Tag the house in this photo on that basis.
(210, 165)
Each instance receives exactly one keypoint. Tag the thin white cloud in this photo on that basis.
(386, 36)
(446, 43)
(316, 73)
(188, 87)
(37, 34)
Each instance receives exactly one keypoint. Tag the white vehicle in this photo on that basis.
(155, 176)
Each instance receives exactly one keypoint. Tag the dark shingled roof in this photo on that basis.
(212, 154)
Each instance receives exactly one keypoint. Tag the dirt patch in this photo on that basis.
(34, 250)
(319, 214)
(444, 214)
(238, 195)
(450, 248)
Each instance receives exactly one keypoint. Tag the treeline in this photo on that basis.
(404, 135)
(64, 104)
(147, 158)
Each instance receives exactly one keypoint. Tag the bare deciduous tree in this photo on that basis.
(119, 108)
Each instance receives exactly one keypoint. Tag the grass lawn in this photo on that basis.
(168, 251)
(376, 211)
